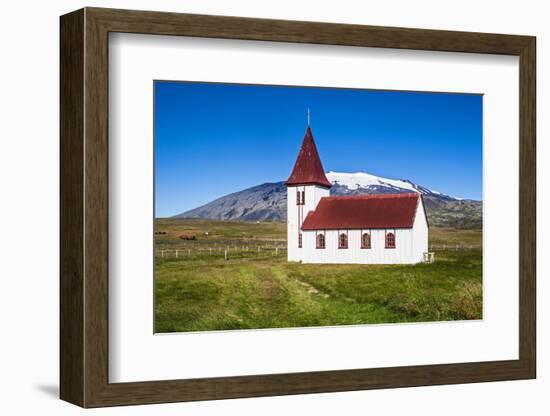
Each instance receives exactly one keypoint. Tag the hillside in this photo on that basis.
(267, 202)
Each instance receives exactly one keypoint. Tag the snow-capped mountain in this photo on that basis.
(350, 183)
(267, 202)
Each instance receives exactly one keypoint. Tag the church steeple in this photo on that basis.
(308, 169)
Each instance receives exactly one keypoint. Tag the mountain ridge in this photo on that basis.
(267, 202)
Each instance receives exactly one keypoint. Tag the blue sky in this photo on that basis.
(214, 139)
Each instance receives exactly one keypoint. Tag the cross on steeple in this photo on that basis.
(308, 117)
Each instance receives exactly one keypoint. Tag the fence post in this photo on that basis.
(189, 251)
(176, 253)
(276, 251)
(162, 253)
(225, 255)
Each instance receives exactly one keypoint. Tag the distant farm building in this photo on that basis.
(364, 229)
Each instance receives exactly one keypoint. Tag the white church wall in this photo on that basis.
(420, 233)
(318, 193)
(403, 253)
(296, 215)
(411, 244)
(292, 225)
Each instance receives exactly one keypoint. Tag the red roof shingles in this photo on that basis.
(363, 211)
(308, 169)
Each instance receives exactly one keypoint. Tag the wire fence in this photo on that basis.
(454, 247)
(228, 251)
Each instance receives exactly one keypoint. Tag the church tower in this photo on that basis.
(306, 185)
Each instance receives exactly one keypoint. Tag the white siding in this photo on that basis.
(296, 215)
(410, 245)
(403, 253)
(420, 233)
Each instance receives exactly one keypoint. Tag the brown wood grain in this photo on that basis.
(84, 207)
(527, 207)
(71, 213)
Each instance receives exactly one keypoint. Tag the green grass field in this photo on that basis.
(257, 288)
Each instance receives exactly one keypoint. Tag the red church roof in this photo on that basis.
(363, 211)
(308, 169)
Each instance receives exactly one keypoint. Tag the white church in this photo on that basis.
(363, 229)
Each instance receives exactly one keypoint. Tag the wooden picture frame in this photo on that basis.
(84, 207)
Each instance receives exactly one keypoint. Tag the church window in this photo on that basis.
(343, 241)
(300, 240)
(320, 241)
(300, 197)
(365, 240)
(390, 240)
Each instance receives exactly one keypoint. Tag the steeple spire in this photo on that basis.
(308, 169)
(308, 118)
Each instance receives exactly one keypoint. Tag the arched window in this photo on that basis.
(320, 241)
(365, 240)
(343, 241)
(390, 240)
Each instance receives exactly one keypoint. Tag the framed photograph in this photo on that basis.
(257, 207)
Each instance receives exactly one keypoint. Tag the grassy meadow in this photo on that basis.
(197, 289)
